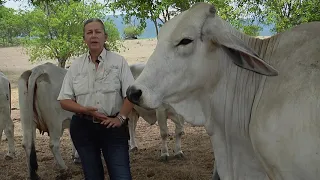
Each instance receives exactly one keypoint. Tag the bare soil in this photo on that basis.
(197, 163)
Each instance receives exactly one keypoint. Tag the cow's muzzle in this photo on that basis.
(134, 94)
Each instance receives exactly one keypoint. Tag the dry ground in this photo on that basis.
(145, 164)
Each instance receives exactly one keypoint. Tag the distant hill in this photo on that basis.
(150, 32)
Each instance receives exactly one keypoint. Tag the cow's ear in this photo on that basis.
(246, 58)
(222, 33)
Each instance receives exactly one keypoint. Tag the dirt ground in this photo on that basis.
(145, 163)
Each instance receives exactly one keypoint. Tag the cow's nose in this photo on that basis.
(134, 95)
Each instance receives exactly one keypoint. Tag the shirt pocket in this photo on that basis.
(110, 81)
(81, 84)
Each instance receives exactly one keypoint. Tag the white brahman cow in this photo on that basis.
(39, 108)
(6, 123)
(151, 116)
(259, 99)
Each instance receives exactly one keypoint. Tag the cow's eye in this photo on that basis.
(184, 41)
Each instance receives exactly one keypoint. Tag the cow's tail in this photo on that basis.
(26, 86)
(31, 116)
(10, 97)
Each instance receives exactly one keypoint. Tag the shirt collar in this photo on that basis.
(101, 57)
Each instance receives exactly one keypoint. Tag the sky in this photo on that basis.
(21, 4)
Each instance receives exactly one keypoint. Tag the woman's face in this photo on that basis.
(94, 36)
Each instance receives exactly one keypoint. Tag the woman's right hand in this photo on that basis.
(92, 111)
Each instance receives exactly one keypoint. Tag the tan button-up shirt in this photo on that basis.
(104, 88)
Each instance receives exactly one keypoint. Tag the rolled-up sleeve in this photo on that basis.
(126, 77)
(66, 91)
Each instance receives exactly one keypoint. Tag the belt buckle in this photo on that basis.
(94, 121)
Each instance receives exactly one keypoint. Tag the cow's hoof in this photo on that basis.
(35, 177)
(134, 149)
(164, 158)
(179, 155)
(8, 157)
(64, 174)
(76, 160)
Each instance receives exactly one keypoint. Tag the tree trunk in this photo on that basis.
(156, 26)
(62, 63)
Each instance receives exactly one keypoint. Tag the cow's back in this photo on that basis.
(55, 74)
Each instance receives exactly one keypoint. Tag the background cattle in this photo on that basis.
(6, 123)
(161, 115)
(39, 109)
(258, 99)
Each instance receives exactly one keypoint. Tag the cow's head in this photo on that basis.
(191, 51)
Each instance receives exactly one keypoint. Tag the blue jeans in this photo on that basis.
(91, 138)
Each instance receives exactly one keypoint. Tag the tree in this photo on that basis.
(141, 9)
(131, 32)
(10, 22)
(284, 14)
(57, 30)
(164, 10)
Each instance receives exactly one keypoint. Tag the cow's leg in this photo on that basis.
(132, 123)
(75, 156)
(4, 137)
(178, 134)
(6, 125)
(215, 173)
(2, 125)
(55, 134)
(9, 131)
(162, 121)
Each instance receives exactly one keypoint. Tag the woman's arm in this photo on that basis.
(70, 105)
(126, 108)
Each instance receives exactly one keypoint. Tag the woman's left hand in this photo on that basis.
(111, 122)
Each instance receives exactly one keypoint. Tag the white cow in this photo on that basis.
(259, 99)
(151, 116)
(39, 108)
(6, 123)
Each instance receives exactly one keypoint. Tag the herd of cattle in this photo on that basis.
(258, 99)
(38, 90)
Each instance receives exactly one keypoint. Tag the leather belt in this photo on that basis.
(91, 118)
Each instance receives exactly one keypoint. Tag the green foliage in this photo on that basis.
(283, 14)
(132, 32)
(10, 23)
(57, 30)
(164, 10)
(286, 14)
(252, 30)
(114, 42)
(141, 9)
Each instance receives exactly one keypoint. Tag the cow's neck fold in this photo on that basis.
(234, 97)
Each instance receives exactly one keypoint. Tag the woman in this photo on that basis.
(94, 88)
